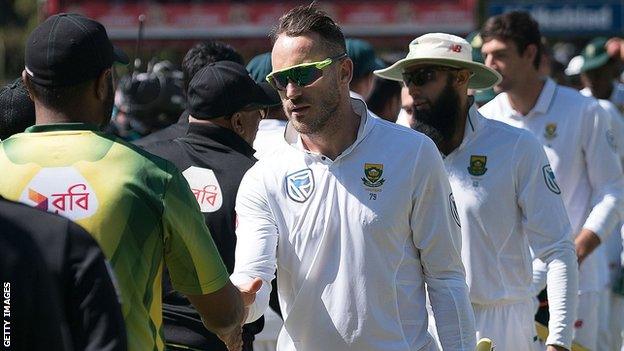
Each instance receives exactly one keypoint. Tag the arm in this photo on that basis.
(194, 264)
(605, 177)
(256, 244)
(438, 238)
(546, 225)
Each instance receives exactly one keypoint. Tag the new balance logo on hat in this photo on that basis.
(446, 50)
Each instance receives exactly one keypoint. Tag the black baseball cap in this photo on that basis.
(67, 49)
(17, 111)
(224, 88)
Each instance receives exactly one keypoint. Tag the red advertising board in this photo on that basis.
(254, 19)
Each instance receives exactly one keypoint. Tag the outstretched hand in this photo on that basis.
(248, 294)
(234, 339)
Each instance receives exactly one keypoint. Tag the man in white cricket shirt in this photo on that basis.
(356, 213)
(598, 71)
(574, 131)
(508, 201)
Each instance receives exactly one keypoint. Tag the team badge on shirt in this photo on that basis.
(61, 190)
(549, 178)
(372, 175)
(205, 187)
(477, 165)
(550, 132)
(300, 185)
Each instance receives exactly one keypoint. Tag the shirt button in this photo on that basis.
(323, 158)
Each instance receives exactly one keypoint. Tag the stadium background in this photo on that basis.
(172, 26)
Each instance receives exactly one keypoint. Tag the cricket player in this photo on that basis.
(574, 131)
(355, 212)
(597, 73)
(508, 201)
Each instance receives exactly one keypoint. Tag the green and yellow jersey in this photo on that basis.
(138, 207)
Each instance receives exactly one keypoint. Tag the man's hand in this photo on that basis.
(555, 348)
(233, 338)
(248, 294)
(615, 48)
(585, 244)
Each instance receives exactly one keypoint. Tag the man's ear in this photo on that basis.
(237, 123)
(102, 84)
(346, 71)
(27, 84)
(530, 52)
(463, 77)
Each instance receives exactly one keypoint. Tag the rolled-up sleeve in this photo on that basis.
(256, 240)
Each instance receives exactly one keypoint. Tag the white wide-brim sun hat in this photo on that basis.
(444, 50)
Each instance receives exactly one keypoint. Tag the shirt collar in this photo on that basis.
(474, 122)
(271, 124)
(542, 105)
(55, 127)
(355, 95)
(546, 97)
(210, 134)
(367, 122)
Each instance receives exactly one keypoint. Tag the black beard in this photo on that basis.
(439, 122)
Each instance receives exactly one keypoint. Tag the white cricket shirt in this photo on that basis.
(354, 241)
(509, 203)
(574, 131)
(612, 247)
(269, 137)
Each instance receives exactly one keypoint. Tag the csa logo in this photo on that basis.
(372, 175)
(549, 178)
(205, 187)
(477, 165)
(61, 190)
(550, 132)
(300, 185)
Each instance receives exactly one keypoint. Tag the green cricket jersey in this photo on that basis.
(138, 207)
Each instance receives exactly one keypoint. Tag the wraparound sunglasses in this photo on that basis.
(302, 75)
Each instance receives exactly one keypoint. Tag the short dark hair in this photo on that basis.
(58, 98)
(309, 19)
(518, 27)
(205, 53)
(383, 92)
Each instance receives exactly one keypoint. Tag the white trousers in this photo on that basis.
(586, 325)
(510, 326)
(616, 324)
(604, 339)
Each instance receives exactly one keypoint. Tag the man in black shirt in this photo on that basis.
(225, 106)
(87, 307)
(195, 59)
